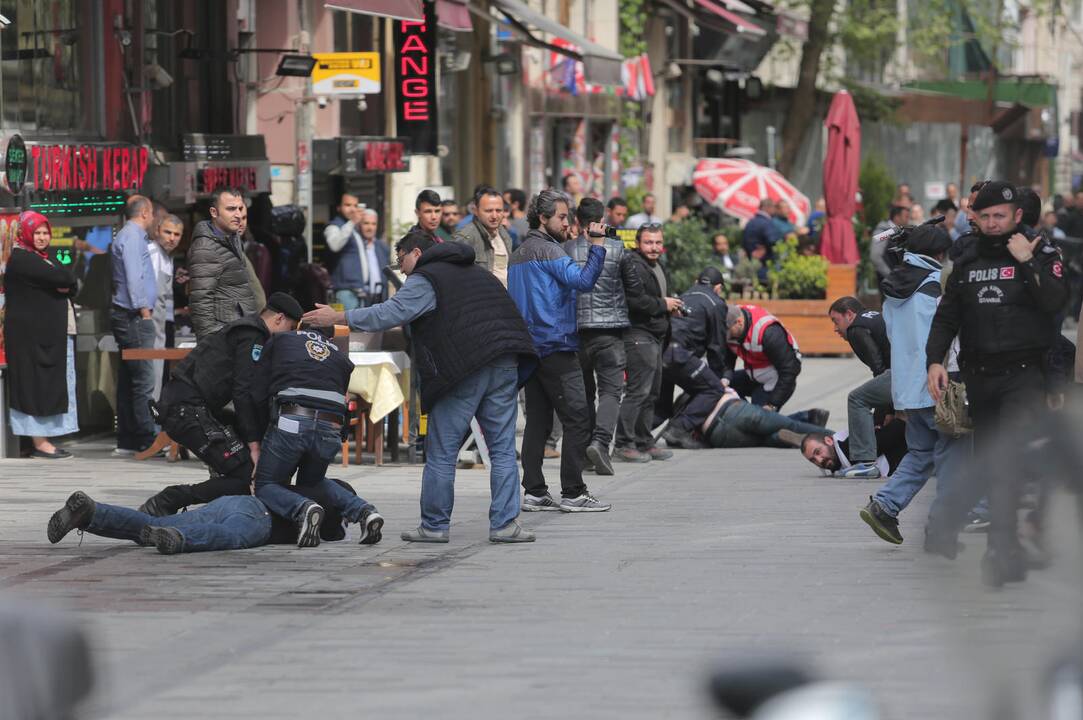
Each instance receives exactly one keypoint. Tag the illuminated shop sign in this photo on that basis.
(415, 81)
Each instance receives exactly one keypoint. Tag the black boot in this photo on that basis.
(942, 544)
(76, 514)
(999, 567)
(167, 540)
(168, 501)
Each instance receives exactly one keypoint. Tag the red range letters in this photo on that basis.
(414, 57)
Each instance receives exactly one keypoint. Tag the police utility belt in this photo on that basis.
(326, 416)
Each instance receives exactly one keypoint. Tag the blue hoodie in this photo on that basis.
(911, 294)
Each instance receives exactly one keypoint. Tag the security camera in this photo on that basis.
(322, 102)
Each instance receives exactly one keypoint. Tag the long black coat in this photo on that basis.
(36, 333)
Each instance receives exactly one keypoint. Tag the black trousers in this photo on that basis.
(695, 377)
(1005, 410)
(643, 363)
(215, 443)
(601, 354)
(557, 385)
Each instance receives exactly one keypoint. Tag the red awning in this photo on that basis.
(732, 18)
(400, 9)
(453, 15)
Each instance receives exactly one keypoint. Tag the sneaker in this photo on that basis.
(862, 471)
(791, 437)
(75, 515)
(513, 532)
(631, 455)
(883, 524)
(371, 523)
(818, 417)
(308, 527)
(124, 452)
(676, 437)
(545, 503)
(584, 503)
(599, 455)
(421, 535)
(657, 453)
(976, 524)
(167, 540)
(551, 453)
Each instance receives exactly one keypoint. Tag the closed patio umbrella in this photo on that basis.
(841, 167)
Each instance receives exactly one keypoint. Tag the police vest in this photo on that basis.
(999, 314)
(307, 369)
(751, 348)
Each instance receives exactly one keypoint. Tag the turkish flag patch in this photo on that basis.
(1058, 269)
(1007, 273)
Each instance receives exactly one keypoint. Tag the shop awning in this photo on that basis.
(453, 15)
(1031, 92)
(399, 9)
(600, 65)
(732, 18)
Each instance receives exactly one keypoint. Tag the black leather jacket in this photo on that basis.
(605, 306)
(867, 336)
(646, 304)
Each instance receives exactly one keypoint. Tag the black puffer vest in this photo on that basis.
(475, 321)
(209, 367)
(605, 305)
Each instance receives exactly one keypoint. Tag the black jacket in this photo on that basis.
(1002, 310)
(646, 304)
(36, 333)
(302, 368)
(868, 339)
(222, 367)
(703, 331)
(474, 323)
(604, 307)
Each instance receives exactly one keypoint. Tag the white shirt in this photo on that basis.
(163, 274)
(641, 219)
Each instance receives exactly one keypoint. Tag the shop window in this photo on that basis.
(49, 59)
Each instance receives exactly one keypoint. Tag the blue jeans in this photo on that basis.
(308, 446)
(228, 523)
(929, 452)
(742, 424)
(135, 380)
(490, 395)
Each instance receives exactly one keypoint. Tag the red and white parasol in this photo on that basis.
(736, 187)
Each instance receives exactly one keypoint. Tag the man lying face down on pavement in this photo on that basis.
(736, 423)
(231, 522)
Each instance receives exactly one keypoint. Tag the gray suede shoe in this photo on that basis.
(513, 532)
(421, 535)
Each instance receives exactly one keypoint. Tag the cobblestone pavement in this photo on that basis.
(713, 554)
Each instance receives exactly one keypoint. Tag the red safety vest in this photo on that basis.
(751, 348)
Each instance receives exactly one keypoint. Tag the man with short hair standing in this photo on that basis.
(516, 198)
(648, 314)
(357, 275)
(427, 209)
(602, 316)
(543, 281)
(135, 292)
(616, 212)
(475, 349)
(220, 289)
(645, 217)
(167, 235)
(450, 215)
(486, 234)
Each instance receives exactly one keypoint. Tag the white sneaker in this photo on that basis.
(545, 503)
(584, 503)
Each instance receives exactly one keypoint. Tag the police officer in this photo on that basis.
(304, 377)
(217, 371)
(866, 333)
(695, 358)
(1001, 298)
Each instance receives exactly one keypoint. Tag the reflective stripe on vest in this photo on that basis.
(330, 395)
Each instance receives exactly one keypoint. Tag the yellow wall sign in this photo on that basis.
(346, 73)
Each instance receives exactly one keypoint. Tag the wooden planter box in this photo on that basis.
(807, 320)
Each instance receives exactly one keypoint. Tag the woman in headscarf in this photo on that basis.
(39, 329)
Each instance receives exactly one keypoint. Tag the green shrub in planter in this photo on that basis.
(688, 251)
(797, 277)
